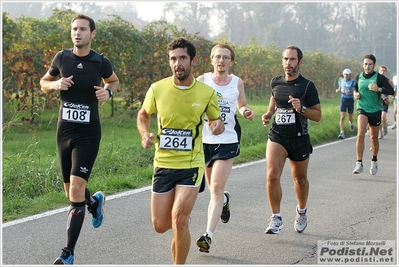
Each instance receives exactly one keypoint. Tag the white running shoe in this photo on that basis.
(275, 225)
(301, 221)
(358, 168)
(385, 130)
(374, 167)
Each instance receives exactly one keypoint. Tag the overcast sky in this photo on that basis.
(146, 10)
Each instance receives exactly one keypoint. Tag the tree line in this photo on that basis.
(139, 58)
(344, 30)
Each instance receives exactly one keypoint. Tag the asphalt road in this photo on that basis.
(341, 206)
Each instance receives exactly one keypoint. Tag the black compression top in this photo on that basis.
(287, 122)
(79, 104)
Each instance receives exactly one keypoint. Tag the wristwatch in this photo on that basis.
(303, 109)
(110, 92)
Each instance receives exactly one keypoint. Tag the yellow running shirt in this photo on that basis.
(180, 114)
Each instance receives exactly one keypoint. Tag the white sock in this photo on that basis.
(276, 214)
(224, 199)
(302, 210)
(209, 232)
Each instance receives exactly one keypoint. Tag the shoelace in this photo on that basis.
(275, 222)
(65, 253)
(300, 218)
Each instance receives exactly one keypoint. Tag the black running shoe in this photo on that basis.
(225, 217)
(204, 243)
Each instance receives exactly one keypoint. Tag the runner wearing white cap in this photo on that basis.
(347, 102)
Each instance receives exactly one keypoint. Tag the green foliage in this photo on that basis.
(139, 58)
(123, 44)
(251, 67)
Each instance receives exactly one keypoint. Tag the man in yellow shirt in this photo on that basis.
(181, 103)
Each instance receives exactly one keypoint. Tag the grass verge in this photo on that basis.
(31, 179)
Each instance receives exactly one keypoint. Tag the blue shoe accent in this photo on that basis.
(98, 217)
(352, 128)
(66, 258)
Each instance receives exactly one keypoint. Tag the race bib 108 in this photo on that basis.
(76, 113)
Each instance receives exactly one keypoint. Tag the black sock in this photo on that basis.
(69, 249)
(361, 161)
(90, 201)
(374, 158)
(76, 215)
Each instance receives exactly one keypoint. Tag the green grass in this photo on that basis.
(31, 178)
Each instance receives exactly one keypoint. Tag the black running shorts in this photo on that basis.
(374, 119)
(220, 151)
(298, 148)
(165, 180)
(77, 150)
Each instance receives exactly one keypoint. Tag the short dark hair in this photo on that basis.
(92, 24)
(183, 43)
(370, 56)
(298, 51)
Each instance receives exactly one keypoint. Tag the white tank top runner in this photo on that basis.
(227, 99)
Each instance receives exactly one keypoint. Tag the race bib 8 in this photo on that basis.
(224, 114)
(176, 139)
(76, 113)
(285, 116)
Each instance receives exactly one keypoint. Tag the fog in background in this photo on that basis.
(344, 30)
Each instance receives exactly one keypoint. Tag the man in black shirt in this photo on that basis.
(293, 101)
(77, 74)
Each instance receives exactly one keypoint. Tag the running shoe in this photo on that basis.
(66, 258)
(204, 243)
(341, 136)
(275, 225)
(394, 127)
(351, 126)
(98, 216)
(301, 221)
(225, 217)
(374, 167)
(385, 130)
(358, 168)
